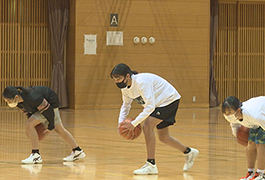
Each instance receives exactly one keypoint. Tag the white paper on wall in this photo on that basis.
(114, 38)
(90, 44)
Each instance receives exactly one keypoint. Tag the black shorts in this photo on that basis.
(166, 113)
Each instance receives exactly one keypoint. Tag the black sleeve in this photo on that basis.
(24, 110)
(47, 110)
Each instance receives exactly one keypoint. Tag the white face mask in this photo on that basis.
(231, 118)
(13, 104)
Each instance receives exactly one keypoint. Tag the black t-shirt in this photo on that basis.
(40, 98)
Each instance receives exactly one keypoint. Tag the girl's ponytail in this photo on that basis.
(24, 90)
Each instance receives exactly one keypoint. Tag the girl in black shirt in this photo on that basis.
(40, 104)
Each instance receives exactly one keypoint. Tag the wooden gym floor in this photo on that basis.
(111, 157)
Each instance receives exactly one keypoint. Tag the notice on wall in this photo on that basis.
(114, 38)
(90, 44)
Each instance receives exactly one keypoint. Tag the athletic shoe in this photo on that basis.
(32, 168)
(258, 176)
(248, 176)
(75, 155)
(148, 168)
(190, 157)
(34, 158)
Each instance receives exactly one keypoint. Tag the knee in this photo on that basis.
(147, 126)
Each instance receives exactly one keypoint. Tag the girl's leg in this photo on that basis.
(32, 133)
(77, 152)
(65, 135)
(148, 129)
(165, 137)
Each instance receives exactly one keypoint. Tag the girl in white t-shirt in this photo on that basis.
(250, 114)
(160, 102)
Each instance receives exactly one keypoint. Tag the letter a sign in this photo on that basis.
(114, 20)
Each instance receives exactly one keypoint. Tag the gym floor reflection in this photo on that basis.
(110, 156)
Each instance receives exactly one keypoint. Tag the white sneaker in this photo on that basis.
(32, 159)
(258, 176)
(248, 176)
(75, 155)
(148, 168)
(32, 168)
(190, 157)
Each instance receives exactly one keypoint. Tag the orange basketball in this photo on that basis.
(129, 135)
(242, 135)
(40, 128)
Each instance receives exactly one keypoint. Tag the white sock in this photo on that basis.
(260, 171)
(251, 169)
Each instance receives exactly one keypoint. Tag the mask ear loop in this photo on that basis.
(126, 79)
(237, 112)
(235, 116)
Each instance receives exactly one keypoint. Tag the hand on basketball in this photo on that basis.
(128, 126)
(128, 131)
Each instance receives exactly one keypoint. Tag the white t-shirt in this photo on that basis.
(150, 91)
(253, 111)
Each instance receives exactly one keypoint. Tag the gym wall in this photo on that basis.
(180, 53)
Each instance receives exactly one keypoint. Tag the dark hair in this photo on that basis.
(231, 102)
(11, 91)
(121, 70)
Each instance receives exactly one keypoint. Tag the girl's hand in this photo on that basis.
(128, 126)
